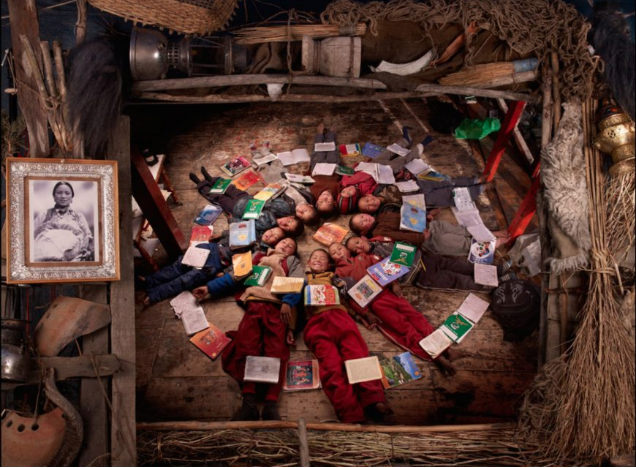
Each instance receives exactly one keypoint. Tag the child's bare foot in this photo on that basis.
(291, 341)
(146, 300)
(431, 214)
(455, 354)
(446, 365)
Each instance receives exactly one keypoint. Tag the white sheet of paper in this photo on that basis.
(369, 168)
(363, 369)
(194, 320)
(467, 218)
(397, 149)
(473, 308)
(436, 343)
(486, 275)
(299, 179)
(481, 233)
(462, 199)
(195, 257)
(182, 302)
(264, 159)
(327, 146)
(385, 175)
(293, 157)
(417, 200)
(408, 186)
(417, 166)
(325, 169)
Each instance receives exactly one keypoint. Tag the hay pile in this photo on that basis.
(531, 27)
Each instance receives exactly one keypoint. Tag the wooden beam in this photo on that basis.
(155, 208)
(255, 425)
(122, 305)
(509, 123)
(93, 407)
(23, 19)
(516, 134)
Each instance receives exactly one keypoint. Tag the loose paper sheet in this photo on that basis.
(184, 301)
(194, 320)
(397, 149)
(195, 257)
(473, 308)
(467, 218)
(299, 179)
(293, 157)
(385, 175)
(462, 199)
(326, 146)
(408, 186)
(325, 169)
(436, 343)
(481, 233)
(417, 166)
(486, 275)
(363, 369)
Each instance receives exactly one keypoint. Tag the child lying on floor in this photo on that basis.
(266, 329)
(436, 272)
(399, 320)
(325, 189)
(333, 337)
(177, 277)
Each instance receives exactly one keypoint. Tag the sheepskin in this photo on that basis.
(563, 170)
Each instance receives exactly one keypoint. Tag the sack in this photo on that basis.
(516, 306)
(476, 129)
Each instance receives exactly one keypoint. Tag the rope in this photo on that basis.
(531, 27)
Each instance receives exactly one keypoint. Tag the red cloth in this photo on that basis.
(330, 183)
(260, 333)
(334, 337)
(365, 182)
(401, 322)
(356, 267)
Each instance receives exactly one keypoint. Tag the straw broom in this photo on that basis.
(620, 214)
(296, 32)
(479, 74)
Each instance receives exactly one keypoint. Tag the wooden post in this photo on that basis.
(303, 445)
(23, 19)
(556, 92)
(92, 401)
(507, 127)
(155, 208)
(122, 306)
(80, 26)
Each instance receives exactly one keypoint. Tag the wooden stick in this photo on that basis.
(303, 448)
(59, 68)
(80, 26)
(223, 425)
(362, 83)
(563, 305)
(521, 142)
(556, 93)
(35, 69)
(48, 69)
(546, 123)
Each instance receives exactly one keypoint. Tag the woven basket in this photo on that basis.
(198, 17)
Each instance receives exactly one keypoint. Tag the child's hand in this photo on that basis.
(397, 290)
(285, 313)
(291, 341)
(201, 293)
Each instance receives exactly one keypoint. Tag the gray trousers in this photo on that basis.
(449, 273)
(395, 161)
(329, 157)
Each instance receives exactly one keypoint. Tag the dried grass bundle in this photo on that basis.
(583, 404)
(478, 74)
(296, 32)
(620, 214)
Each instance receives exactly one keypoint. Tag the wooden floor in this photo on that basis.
(175, 381)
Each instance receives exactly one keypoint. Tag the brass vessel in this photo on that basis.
(616, 137)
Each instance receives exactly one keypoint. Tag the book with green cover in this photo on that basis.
(456, 326)
(220, 186)
(253, 209)
(403, 254)
(259, 276)
(344, 170)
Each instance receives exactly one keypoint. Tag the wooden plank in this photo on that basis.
(154, 206)
(122, 294)
(23, 19)
(93, 406)
(510, 122)
(518, 137)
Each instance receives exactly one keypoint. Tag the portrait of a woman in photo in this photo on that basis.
(60, 233)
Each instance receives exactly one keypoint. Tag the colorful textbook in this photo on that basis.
(321, 295)
(301, 375)
(221, 185)
(242, 234)
(253, 209)
(385, 272)
(259, 277)
(398, 370)
(235, 166)
(364, 291)
(208, 215)
(329, 233)
(412, 218)
(211, 341)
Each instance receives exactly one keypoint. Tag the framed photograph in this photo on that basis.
(62, 220)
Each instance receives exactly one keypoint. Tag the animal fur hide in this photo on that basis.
(563, 171)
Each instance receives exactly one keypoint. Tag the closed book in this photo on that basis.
(242, 234)
(246, 180)
(262, 369)
(329, 233)
(352, 149)
(482, 252)
(285, 285)
(343, 170)
(271, 191)
(403, 254)
(242, 264)
(386, 271)
(259, 277)
(302, 375)
(321, 295)
(363, 369)
(364, 291)
(200, 235)
(253, 209)
(412, 218)
(456, 326)
(211, 341)
(371, 150)
(208, 215)
(235, 166)
(221, 185)
(398, 370)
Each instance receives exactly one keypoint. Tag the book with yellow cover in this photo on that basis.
(329, 233)
(284, 285)
(242, 264)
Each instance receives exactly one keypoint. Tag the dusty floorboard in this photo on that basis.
(175, 381)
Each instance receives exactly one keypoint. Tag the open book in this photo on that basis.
(325, 169)
(363, 369)
(296, 156)
(436, 343)
(381, 174)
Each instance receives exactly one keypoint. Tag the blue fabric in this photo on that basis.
(222, 286)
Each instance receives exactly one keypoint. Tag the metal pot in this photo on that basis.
(15, 357)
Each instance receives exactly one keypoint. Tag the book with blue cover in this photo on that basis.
(208, 215)
(412, 218)
(372, 151)
(482, 252)
(242, 234)
(386, 271)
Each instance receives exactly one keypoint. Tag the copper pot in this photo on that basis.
(616, 137)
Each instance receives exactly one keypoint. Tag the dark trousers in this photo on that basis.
(225, 200)
(449, 273)
(330, 157)
(440, 194)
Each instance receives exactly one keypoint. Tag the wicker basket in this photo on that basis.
(198, 17)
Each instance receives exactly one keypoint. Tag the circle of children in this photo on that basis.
(268, 325)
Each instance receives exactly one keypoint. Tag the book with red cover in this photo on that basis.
(200, 234)
(211, 341)
(245, 181)
(329, 233)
